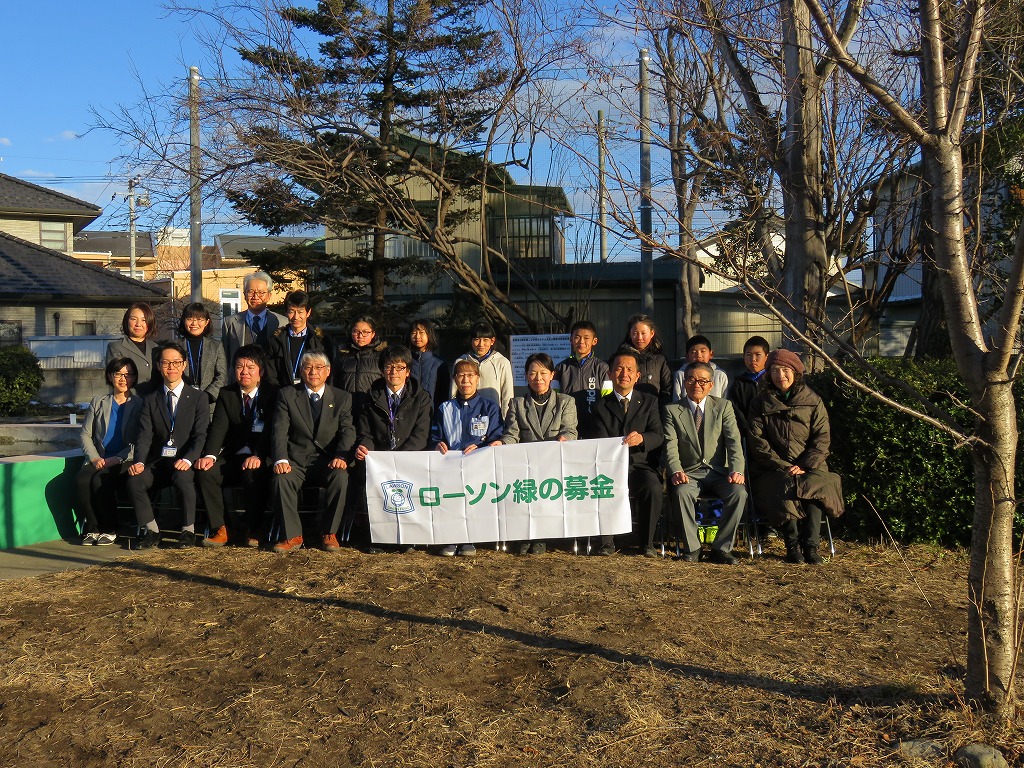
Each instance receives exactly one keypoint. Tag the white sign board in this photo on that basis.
(521, 492)
(555, 344)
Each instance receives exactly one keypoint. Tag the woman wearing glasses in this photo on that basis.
(138, 326)
(108, 439)
(356, 365)
(788, 444)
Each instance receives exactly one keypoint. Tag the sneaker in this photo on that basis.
(218, 538)
(148, 539)
(538, 548)
(106, 539)
(523, 548)
(330, 543)
(467, 550)
(90, 539)
(288, 545)
(605, 550)
(450, 550)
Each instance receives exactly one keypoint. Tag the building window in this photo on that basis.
(53, 235)
(10, 334)
(230, 301)
(83, 328)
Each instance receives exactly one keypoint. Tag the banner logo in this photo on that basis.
(397, 497)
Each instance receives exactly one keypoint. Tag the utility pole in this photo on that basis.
(646, 254)
(142, 201)
(601, 213)
(195, 188)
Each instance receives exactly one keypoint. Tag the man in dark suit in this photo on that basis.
(704, 454)
(172, 431)
(257, 324)
(238, 450)
(634, 416)
(312, 442)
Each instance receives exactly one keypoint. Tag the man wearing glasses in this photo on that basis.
(703, 455)
(312, 443)
(257, 324)
(172, 432)
(396, 416)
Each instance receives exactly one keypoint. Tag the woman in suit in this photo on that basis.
(207, 369)
(108, 439)
(138, 326)
(541, 415)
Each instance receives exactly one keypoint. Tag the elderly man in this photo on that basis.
(238, 449)
(703, 454)
(634, 416)
(257, 324)
(312, 443)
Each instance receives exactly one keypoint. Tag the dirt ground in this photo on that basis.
(243, 658)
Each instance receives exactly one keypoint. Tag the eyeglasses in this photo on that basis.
(699, 382)
(362, 333)
(314, 368)
(172, 363)
(257, 293)
(395, 368)
(122, 375)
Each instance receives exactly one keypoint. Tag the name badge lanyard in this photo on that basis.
(392, 415)
(298, 358)
(193, 369)
(172, 414)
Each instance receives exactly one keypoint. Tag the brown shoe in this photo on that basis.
(289, 545)
(330, 543)
(218, 539)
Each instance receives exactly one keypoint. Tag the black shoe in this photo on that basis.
(722, 557)
(605, 550)
(811, 556)
(148, 539)
(793, 553)
(186, 539)
(691, 557)
(649, 552)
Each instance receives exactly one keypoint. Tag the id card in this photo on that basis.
(257, 426)
(478, 426)
(169, 452)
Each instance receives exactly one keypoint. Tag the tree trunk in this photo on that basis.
(806, 267)
(992, 609)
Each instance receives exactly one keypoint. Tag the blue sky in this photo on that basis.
(58, 59)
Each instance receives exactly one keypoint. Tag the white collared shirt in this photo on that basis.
(177, 393)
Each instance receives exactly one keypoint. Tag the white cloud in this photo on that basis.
(63, 136)
(4, 141)
(29, 173)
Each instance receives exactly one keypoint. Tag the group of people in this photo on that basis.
(276, 407)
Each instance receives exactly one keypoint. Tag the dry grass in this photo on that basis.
(236, 658)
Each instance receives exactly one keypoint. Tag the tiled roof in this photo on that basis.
(17, 196)
(115, 243)
(28, 270)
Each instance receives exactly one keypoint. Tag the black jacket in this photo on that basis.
(643, 416)
(283, 369)
(231, 430)
(411, 431)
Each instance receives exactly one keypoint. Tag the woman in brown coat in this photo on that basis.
(788, 447)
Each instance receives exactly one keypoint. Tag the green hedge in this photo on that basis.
(20, 379)
(920, 485)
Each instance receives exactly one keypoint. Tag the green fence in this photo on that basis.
(36, 498)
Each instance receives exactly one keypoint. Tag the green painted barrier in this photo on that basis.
(37, 498)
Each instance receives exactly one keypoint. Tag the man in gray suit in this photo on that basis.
(703, 454)
(256, 325)
(312, 441)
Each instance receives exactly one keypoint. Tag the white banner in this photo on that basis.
(510, 493)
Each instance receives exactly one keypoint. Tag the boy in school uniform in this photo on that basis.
(698, 350)
(744, 387)
(495, 369)
(583, 375)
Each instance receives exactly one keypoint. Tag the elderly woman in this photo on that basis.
(788, 445)
(109, 433)
(540, 415)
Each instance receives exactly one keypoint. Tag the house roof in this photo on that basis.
(114, 243)
(20, 198)
(29, 271)
(231, 246)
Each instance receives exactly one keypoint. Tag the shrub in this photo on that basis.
(919, 482)
(20, 379)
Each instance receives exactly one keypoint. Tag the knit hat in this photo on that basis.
(786, 358)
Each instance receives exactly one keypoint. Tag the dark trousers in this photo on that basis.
(646, 490)
(255, 485)
(285, 490)
(96, 496)
(162, 474)
(807, 530)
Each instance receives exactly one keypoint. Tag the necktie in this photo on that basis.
(624, 402)
(257, 325)
(698, 423)
(170, 406)
(247, 405)
(314, 398)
